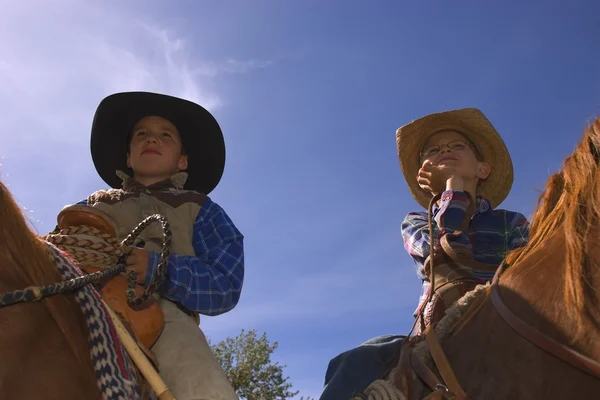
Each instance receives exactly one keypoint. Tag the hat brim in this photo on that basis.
(200, 134)
(470, 122)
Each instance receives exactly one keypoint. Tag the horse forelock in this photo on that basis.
(570, 206)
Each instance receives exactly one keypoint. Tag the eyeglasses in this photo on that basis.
(453, 145)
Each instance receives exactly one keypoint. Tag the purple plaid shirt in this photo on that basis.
(491, 234)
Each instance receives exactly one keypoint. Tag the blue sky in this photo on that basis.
(309, 95)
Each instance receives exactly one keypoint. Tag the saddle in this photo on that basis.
(146, 321)
(410, 366)
(453, 279)
(450, 272)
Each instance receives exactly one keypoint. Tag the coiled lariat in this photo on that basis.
(88, 245)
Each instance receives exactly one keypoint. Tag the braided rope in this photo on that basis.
(87, 245)
(68, 240)
(35, 293)
(156, 280)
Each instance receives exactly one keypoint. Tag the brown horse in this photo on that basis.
(44, 345)
(535, 332)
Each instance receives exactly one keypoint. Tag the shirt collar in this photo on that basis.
(176, 181)
(483, 205)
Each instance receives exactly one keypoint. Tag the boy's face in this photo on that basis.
(452, 149)
(155, 150)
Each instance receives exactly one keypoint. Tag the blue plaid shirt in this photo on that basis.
(209, 283)
(491, 234)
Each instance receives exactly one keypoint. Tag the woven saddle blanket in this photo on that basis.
(114, 371)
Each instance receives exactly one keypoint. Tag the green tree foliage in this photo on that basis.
(246, 360)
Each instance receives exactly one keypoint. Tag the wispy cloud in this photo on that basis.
(231, 66)
(57, 78)
(58, 62)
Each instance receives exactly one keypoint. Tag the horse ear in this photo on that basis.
(594, 149)
(593, 135)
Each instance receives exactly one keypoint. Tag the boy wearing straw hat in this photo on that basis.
(161, 154)
(464, 166)
(457, 168)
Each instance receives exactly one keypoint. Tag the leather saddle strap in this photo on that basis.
(403, 370)
(409, 363)
(442, 363)
(432, 256)
(425, 373)
(546, 343)
(438, 390)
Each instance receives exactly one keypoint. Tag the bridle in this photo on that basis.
(541, 340)
(449, 388)
(408, 363)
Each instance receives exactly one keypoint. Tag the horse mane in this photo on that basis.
(571, 202)
(20, 246)
(26, 260)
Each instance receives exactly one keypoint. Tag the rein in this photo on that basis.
(410, 364)
(36, 293)
(541, 340)
(452, 388)
(446, 248)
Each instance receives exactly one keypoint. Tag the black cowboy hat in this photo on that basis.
(200, 133)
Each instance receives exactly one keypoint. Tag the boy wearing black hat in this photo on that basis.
(164, 155)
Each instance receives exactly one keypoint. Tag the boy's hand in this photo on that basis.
(435, 179)
(138, 261)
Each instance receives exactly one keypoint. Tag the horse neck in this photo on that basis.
(534, 289)
(46, 338)
(35, 265)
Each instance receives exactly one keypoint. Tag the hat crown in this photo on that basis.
(474, 125)
(199, 131)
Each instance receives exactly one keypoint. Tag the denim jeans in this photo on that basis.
(352, 371)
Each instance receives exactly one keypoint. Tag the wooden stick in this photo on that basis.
(139, 358)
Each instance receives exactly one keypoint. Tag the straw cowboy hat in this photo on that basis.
(200, 133)
(471, 122)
